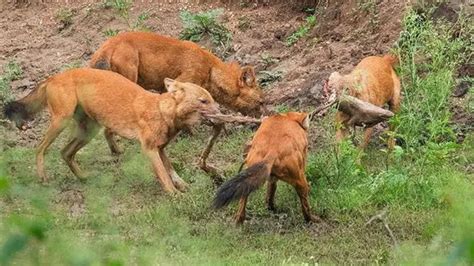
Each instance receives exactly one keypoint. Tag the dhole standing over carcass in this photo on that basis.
(277, 152)
(373, 80)
(94, 98)
(148, 58)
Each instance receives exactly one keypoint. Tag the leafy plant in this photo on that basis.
(64, 15)
(139, 23)
(121, 6)
(265, 78)
(302, 31)
(111, 32)
(199, 25)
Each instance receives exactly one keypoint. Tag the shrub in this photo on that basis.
(199, 25)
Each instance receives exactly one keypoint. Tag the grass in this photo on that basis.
(120, 216)
(302, 31)
(11, 71)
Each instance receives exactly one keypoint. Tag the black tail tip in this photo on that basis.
(16, 112)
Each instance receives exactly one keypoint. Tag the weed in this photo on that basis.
(244, 24)
(122, 7)
(302, 31)
(267, 60)
(202, 24)
(425, 115)
(11, 71)
(139, 24)
(111, 32)
(64, 15)
(265, 78)
(73, 64)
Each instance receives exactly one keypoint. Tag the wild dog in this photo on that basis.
(373, 80)
(147, 58)
(277, 152)
(94, 98)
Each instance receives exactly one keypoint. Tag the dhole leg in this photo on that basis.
(216, 178)
(179, 183)
(160, 170)
(240, 216)
(85, 131)
(55, 128)
(109, 136)
(270, 197)
(302, 188)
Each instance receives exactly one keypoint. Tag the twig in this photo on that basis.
(321, 109)
(222, 118)
(381, 217)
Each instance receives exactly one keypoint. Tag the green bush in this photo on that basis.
(199, 25)
(430, 53)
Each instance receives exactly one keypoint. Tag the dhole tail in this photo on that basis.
(23, 110)
(392, 59)
(243, 184)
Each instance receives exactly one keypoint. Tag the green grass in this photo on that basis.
(120, 216)
(11, 71)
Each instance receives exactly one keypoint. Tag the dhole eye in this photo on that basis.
(204, 101)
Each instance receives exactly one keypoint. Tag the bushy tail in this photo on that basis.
(243, 184)
(22, 110)
(392, 59)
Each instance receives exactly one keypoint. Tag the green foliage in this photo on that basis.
(198, 25)
(122, 7)
(11, 71)
(139, 24)
(430, 54)
(64, 15)
(265, 78)
(111, 32)
(302, 31)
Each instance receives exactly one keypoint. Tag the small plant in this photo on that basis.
(122, 7)
(265, 78)
(199, 25)
(244, 24)
(74, 64)
(64, 15)
(302, 31)
(139, 24)
(111, 32)
(267, 60)
(11, 71)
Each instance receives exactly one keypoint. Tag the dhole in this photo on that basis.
(94, 98)
(148, 58)
(373, 80)
(277, 152)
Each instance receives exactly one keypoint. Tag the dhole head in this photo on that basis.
(192, 100)
(301, 118)
(241, 91)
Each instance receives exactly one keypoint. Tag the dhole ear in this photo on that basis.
(170, 84)
(248, 77)
(303, 120)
